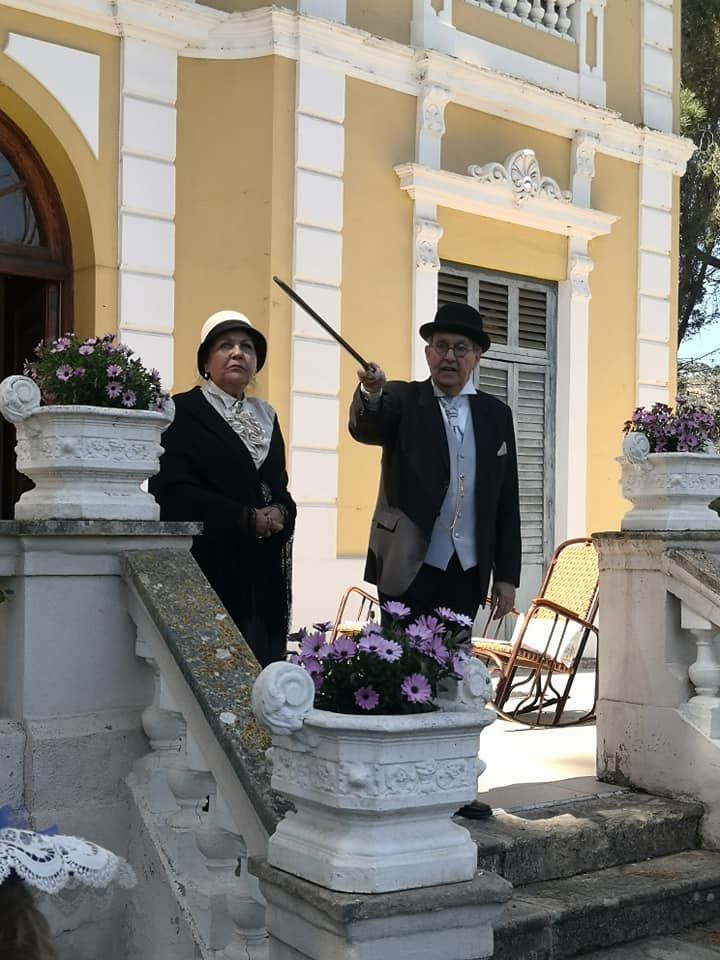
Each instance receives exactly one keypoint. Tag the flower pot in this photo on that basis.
(374, 795)
(670, 491)
(86, 462)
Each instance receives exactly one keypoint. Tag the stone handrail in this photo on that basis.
(204, 789)
(658, 717)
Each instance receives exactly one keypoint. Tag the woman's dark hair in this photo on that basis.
(24, 931)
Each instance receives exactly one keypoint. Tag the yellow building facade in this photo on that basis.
(521, 155)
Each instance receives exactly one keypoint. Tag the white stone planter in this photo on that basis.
(669, 491)
(86, 462)
(374, 795)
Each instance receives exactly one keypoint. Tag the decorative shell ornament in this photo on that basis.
(19, 398)
(282, 697)
(636, 447)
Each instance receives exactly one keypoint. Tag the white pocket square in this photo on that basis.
(502, 452)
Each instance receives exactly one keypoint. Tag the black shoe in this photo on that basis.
(475, 811)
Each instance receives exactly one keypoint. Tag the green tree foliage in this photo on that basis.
(699, 296)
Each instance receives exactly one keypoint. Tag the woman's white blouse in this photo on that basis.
(252, 419)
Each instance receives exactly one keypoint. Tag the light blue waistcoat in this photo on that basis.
(458, 505)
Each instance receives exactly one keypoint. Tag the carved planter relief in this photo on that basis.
(669, 491)
(374, 795)
(86, 462)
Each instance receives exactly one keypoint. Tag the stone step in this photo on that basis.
(575, 915)
(696, 943)
(566, 839)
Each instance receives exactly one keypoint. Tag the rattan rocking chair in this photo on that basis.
(538, 665)
(357, 607)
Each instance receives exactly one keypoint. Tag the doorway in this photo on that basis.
(35, 276)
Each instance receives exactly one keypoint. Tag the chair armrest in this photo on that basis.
(562, 611)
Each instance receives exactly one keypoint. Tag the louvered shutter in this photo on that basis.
(519, 316)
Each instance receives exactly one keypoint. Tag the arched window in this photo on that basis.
(35, 273)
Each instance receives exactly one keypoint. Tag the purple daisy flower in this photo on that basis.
(342, 648)
(313, 645)
(461, 618)
(313, 667)
(79, 372)
(371, 643)
(367, 698)
(62, 343)
(113, 389)
(114, 371)
(438, 651)
(445, 612)
(430, 623)
(371, 628)
(458, 663)
(86, 349)
(419, 635)
(390, 651)
(64, 372)
(128, 399)
(395, 608)
(416, 689)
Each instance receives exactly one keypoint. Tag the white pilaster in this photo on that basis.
(653, 330)
(592, 85)
(432, 100)
(147, 202)
(657, 64)
(432, 27)
(315, 414)
(572, 393)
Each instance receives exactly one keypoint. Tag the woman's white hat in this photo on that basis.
(221, 322)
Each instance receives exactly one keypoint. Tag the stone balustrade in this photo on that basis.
(658, 716)
(549, 15)
(203, 790)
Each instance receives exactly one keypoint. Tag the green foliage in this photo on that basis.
(699, 293)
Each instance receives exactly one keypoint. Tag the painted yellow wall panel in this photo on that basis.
(235, 134)
(622, 58)
(474, 137)
(391, 20)
(377, 265)
(495, 245)
(87, 186)
(514, 36)
(612, 342)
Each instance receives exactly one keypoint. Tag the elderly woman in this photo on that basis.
(224, 464)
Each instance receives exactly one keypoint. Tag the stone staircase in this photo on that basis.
(595, 873)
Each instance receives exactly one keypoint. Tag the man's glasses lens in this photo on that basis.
(459, 349)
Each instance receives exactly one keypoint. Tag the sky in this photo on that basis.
(706, 342)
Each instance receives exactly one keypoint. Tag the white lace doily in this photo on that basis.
(51, 863)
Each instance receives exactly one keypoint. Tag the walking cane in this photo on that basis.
(323, 323)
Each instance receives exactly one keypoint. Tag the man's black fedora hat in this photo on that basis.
(458, 318)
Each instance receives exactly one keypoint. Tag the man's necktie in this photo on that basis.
(452, 414)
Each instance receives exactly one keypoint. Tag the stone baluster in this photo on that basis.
(509, 6)
(564, 22)
(246, 906)
(165, 729)
(523, 9)
(551, 18)
(704, 707)
(495, 4)
(537, 13)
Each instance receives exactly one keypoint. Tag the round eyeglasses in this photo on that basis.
(442, 348)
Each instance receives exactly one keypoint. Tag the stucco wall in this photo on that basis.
(234, 207)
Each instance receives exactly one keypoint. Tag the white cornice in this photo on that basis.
(496, 201)
(198, 31)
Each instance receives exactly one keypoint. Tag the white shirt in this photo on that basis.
(251, 419)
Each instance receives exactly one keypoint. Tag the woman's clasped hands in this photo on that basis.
(268, 520)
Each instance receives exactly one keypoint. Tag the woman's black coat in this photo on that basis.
(207, 473)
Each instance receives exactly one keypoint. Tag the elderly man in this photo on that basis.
(448, 512)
